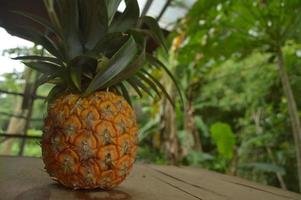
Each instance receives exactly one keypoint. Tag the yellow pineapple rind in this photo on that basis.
(90, 142)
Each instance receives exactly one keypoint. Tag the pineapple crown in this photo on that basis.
(94, 48)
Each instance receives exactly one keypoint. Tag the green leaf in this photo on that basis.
(75, 74)
(224, 138)
(45, 78)
(127, 19)
(54, 18)
(158, 64)
(149, 82)
(46, 24)
(155, 30)
(135, 82)
(68, 11)
(40, 58)
(135, 87)
(43, 67)
(116, 89)
(125, 93)
(112, 6)
(93, 22)
(130, 70)
(110, 43)
(38, 38)
(161, 87)
(102, 65)
(139, 36)
(78, 65)
(115, 65)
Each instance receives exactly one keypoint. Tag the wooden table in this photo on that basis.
(25, 179)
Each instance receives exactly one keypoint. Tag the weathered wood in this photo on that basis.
(227, 186)
(25, 178)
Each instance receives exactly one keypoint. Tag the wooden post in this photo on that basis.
(16, 125)
(163, 9)
(32, 90)
(146, 7)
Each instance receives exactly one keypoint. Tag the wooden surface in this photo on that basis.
(25, 179)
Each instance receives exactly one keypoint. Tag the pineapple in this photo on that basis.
(90, 134)
(90, 142)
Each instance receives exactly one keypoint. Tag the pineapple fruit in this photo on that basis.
(90, 142)
(90, 134)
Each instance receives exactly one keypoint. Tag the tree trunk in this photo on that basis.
(168, 130)
(170, 143)
(190, 126)
(292, 109)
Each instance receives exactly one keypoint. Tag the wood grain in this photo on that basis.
(25, 179)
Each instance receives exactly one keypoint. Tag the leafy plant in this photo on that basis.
(224, 138)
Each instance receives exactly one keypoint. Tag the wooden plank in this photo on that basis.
(25, 178)
(228, 186)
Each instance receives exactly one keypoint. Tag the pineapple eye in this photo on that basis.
(123, 170)
(56, 143)
(106, 180)
(108, 161)
(121, 127)
(85, 150)
(67, 163)
(78, 106)
(109, 109)
(60, 117)
(70, 129)
(107, 137)
(118, 104)
(89, 176)
(89, 120)
(125, 148)
(90, 116)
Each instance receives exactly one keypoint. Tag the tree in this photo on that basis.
(267, 26)
(221, 33)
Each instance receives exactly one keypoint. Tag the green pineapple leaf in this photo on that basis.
(95, 47)
(155, 30)
(116, 64)
(40, 58)
(135, 87)
(158, 64)
(138, 83)
(125, 93)
(40, 20)
(112, 6)
(43, 67)
(161, 87)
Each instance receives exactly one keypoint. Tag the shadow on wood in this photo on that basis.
(56, 191)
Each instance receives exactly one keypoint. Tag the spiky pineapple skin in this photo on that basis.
(89, 142)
